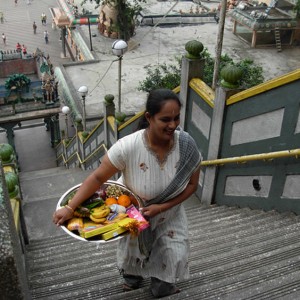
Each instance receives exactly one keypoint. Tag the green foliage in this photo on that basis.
(296, 9)
(127, 12)
(161, 76)
(17, 80)
(252, 74)
(168, 76)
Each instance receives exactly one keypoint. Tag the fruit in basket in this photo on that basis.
(124, 200)
(110, 201)
(81, 212)
(116, 208)
(100, 211)
(113, 191)
(98, 220)
(75, 224)
(119, 217)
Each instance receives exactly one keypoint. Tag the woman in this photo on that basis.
(161, 165)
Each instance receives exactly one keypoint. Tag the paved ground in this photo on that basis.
(150, 45)
(17, 26)
(156, 45)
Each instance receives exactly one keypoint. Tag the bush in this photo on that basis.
(17, 80)
(168, 76)
(161, 76)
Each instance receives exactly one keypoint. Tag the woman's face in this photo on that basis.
(163, 124)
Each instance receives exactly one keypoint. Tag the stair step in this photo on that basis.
(235, 254)
(29, 175)
(50, 183)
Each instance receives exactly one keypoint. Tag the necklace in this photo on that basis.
(161, 161)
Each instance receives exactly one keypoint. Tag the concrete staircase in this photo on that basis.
(235, 253)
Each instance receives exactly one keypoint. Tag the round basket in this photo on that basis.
(135, 200)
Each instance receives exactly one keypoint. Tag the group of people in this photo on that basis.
(160, 163)
(46, 34)
(21, 48)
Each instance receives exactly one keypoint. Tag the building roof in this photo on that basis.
(256, 18)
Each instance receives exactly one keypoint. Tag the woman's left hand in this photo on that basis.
(151, 210)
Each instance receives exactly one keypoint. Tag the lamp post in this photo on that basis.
(119, 47)
(83, 90)
(65, 110)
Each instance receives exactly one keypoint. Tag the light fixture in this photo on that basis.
(119, 47)
(65, 110)
(83, 91)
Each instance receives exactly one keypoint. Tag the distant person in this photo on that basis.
(24, 50)
(44, 19)
(16, 2)
(1, 17)
(34, 26)
(4, 38)
(46, 36)
(18, 47)
(53, 25)
(216, 17)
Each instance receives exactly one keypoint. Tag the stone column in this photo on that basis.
(63, 41)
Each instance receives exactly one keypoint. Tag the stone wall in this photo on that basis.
(13, 280)
(20, 66)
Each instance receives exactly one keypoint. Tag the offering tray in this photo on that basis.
(136, 201)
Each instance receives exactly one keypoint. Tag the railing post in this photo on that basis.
(109, 110)
(214, 145)
(190, 68)
(209, 181)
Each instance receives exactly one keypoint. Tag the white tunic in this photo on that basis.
(142, 173)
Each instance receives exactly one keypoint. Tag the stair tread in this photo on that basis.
(223, 261)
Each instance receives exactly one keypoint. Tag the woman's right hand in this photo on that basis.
(61, 215)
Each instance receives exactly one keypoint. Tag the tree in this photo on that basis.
(297, 9)
(126, 15)
(168, 76)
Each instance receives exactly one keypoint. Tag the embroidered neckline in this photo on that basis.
(161, 163)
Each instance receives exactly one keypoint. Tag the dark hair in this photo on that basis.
(156, 99)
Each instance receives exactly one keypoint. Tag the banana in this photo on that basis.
(100, 212)
(120, 216)
(97, 220)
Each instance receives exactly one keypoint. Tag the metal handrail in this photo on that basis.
(243, 159)
(81, 161)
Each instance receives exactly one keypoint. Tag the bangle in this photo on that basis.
(69, 208)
